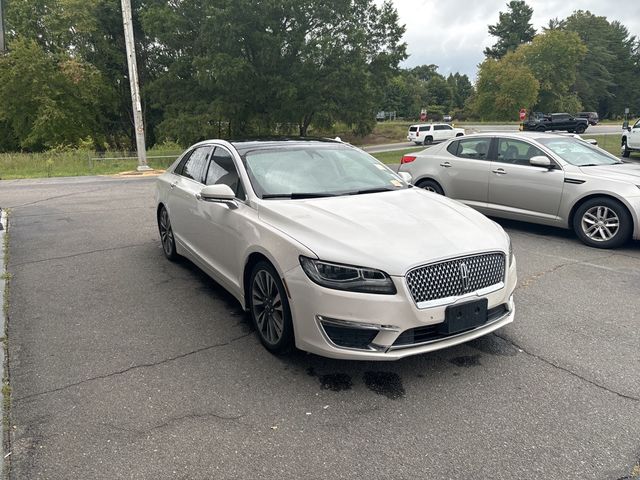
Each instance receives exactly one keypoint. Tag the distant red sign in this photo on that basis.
(523, 113)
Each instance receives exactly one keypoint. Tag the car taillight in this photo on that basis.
(407, 159)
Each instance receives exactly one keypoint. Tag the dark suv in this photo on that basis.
(555, 121)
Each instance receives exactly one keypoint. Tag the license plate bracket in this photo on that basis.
(464, 316)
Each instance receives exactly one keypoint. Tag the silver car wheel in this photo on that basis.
(267, 307)
(166, 233)
(600, 223)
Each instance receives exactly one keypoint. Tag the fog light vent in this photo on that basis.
(349, 337)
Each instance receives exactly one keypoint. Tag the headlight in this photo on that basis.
(347, 277)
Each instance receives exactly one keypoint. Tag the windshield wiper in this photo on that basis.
(297, 195)
(372, 190)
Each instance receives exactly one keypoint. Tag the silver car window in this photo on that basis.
(475, 148)
(516, 151)
(578, 152)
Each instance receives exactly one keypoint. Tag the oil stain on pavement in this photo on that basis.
(388, 384)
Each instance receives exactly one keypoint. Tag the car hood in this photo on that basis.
(627, 172)
(391, 231)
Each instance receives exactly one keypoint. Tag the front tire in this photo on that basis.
(580, 129)
(603, 223)
(269, 309)
(625, 149)
(166, 235)
(430, 186)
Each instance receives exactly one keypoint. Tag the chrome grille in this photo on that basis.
(452, 278)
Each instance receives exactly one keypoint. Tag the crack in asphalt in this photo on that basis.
(565, 369)
(86, 211)
(57, 196)
(134, 367)
(79, 254)
(536, 276)
(172, 420)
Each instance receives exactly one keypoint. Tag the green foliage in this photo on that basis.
(503, 87)
(513, 29)
(553, 57)
(239, 63)
(49, 100)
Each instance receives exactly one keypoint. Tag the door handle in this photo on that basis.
(499, 171)
(446, 165)
(172, 186)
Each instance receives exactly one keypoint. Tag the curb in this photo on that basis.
(3, 344)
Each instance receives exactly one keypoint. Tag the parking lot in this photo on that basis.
(124, 365)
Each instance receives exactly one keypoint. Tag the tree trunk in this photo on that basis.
(304, 126)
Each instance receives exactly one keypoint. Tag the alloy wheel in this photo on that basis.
(600, 223)
(267, 307)
(166, 233)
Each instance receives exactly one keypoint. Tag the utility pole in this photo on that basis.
(133, 82)
(2, 44)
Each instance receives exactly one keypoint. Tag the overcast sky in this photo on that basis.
(453, 33)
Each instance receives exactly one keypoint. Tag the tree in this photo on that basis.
(49, 100)
(605, 78)
(272, 63)
(553, 57)
(503, 87)
(513, 29)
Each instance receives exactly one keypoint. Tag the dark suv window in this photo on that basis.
(442, 127)
(195, 164)
(476, 148)
(425, 129)
(222, 170)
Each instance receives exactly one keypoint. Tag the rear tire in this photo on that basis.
(428, 140)
(625, 149)
(459, 134)
(580, 129)
(540, 128)
(602, 222)
(166, 235)
(430, 186)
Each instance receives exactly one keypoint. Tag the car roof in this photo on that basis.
(242, 145)
(524, 135)
(426, 124)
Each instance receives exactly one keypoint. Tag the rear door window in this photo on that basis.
(475, 148)
(195, 165)
(425, 129)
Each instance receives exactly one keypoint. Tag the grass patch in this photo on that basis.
(394, 157)
(610, 143)
(75, 163)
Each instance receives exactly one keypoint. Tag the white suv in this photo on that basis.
(432, 132)
(631, 139)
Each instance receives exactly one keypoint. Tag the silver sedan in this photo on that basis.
(535, 177)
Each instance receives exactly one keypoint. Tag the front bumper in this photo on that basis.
(385, 317)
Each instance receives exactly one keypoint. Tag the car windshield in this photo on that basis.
(317, 171)
(578, 152)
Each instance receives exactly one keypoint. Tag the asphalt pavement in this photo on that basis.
(125, 365)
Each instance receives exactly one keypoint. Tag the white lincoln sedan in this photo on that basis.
(332, 252)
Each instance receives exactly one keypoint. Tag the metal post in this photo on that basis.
(2, 44)
(133, 82)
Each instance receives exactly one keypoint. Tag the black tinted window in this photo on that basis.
(453, 148)
(476, 148)
(194, 166)
(222, 170)
(517, 151)
(425, 129)
(442, 127)
(413, 129)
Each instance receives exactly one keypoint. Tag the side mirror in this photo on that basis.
(540, 161)
(592, 141)
(405, 176)
(217, 193)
